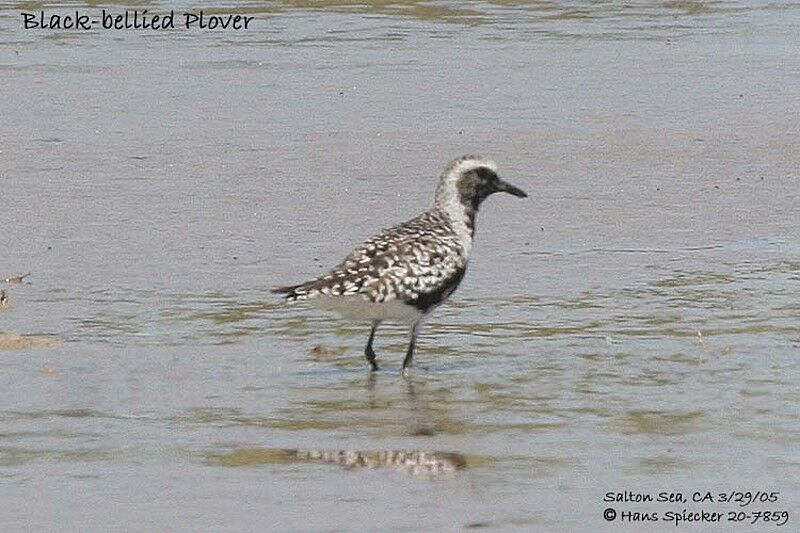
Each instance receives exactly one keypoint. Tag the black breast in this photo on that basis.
(428, 300)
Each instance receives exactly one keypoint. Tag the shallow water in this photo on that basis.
(633, 325)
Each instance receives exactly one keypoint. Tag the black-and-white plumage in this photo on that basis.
(406, 271)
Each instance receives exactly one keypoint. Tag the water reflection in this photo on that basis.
(630, 363)
(578, 363)
(661, 423)
(14, 456)
(12, 341)
(659, 465)
(676, 305)
(413, 462)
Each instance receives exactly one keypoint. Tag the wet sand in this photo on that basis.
(631, 326)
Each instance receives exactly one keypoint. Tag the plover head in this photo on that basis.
(468, 181)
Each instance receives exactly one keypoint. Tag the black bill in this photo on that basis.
(504, 186)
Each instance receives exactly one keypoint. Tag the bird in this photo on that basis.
(406, 271)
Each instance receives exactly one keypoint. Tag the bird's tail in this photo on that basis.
(292, 293)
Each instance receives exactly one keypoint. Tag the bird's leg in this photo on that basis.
(411, 345)
(368, 351)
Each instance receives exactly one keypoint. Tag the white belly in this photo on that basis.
(357, 308)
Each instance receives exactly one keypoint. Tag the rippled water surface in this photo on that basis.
(633, 325)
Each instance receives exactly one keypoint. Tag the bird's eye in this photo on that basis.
(486, 174)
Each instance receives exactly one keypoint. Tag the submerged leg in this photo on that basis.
(368, 351)
(411, 345)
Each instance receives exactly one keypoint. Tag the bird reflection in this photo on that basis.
(417, 404)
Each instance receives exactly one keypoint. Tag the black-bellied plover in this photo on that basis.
(406, 271)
